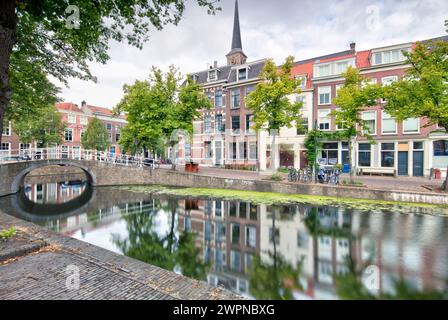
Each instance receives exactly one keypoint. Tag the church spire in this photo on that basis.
(236, 55)
(236, 39)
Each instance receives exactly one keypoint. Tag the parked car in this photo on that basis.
(148, 162)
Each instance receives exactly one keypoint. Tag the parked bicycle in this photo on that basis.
(293, 174)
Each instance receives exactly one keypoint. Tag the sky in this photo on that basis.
(269, 29)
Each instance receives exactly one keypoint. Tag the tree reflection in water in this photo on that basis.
(168, 251)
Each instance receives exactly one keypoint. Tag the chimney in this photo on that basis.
(215, 64)
(353, 47)
(83, 103)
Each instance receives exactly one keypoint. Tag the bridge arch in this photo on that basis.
(24, 170)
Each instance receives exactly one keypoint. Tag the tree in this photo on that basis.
(160, 107)
(45, 127)
(356, 95)
(423, 91)
(60, 39)
(270, 103)
(96, 136)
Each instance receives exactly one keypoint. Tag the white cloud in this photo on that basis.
(269, 29)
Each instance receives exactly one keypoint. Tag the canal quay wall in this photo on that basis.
(104, 174)
(39, 262)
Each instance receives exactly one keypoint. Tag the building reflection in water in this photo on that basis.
(269, 251)
(55, 192)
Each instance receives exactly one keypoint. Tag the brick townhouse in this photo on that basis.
(76, 119)
(407, 148)
(224, 134)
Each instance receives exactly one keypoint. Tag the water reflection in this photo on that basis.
(55, 192)
(269, 251)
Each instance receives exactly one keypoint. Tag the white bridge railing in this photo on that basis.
(11, 156)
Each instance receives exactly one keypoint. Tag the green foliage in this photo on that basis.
(270, 103)
(314, 139)
(45, 127)
(7, 233)
(276, 177)
(355, 96)
(423, 92)
(96, 136)
(283, 170)
(156, 107)
(45, 42)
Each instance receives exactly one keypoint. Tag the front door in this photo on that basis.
(417, 170)
(218, 153)
(286, 158)
(402, 163)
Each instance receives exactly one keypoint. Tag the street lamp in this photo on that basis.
(315, 152)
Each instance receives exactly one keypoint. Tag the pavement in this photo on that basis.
(415, 184)
(40, 264)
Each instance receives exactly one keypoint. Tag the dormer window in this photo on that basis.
(389, 56)
(195, 78)
(213, 75)
(302, 80)
(242, 74)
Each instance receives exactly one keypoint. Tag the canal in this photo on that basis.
(261, 251)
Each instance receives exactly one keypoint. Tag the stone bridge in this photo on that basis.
(98, 173)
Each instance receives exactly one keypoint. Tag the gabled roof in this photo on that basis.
(362, 59)
(68, 106)
(100, 110)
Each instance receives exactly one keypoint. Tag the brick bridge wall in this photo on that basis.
(104, 174)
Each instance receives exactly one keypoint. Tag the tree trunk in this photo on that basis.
(173, 157)
(8, 26)
(350, 159)
(274, 152)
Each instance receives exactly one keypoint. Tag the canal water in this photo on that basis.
(259, 251)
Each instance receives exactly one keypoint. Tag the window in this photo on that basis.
(109, 126)
(212, 75)
(24, 149)
(411, 125)
(324, 119)
(235, 124)
(369, 118)
(364, 154)
(303, 129)
(243, 150)
(389, 80)
(83, 121)
(117, 133)
(249, 118)
(329, 154)
(219, 126)
(249, 90)
(235, 233)
(71, 118)
(341, 67)
(207, 124)
(4, 149)
(7, 129)
(208, 149)
(302, 80)
(324, 95)
(68, 135)
(418, 145)
(324, 70)
(235, 99)
(235, 258)
(302, 239)
(390, 56)
(388, 155)
(440, 148)
(232, 150)
(218, 98)
(242, 74)
(340, 125)
(253, 150)
(388, 124)
(251, 237)
(82, 133)
(187, 150)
